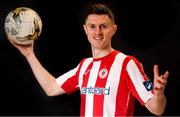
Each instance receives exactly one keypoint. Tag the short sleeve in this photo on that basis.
(138, 82)
(69, 81)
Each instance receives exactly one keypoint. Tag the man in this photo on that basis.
(109, 81)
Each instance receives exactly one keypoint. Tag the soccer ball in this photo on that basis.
(23, 25)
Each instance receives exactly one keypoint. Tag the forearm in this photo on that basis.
(156, 104)
(45, 79)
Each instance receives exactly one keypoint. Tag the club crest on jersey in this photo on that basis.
(103, 73)
(148, 85)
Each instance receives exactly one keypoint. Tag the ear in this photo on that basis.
(114, 28)
(85, 29)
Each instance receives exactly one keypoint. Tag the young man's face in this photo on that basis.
(99, 30)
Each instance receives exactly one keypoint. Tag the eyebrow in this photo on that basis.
(100, 24)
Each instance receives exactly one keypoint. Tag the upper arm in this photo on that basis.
(138, 83)
(68, 82)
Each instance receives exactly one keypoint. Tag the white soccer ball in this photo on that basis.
(23, 25)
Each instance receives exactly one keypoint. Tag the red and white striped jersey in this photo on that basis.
(108, 85)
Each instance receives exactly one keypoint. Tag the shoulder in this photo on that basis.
(86, 61)
(128, 59)
(133, 63)
(132, 58)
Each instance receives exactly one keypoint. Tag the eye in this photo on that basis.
(103, 27)
(92, 26)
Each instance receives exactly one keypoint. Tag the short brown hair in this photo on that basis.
(100, 9)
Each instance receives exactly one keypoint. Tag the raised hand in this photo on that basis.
(26, 50)
(159, 81)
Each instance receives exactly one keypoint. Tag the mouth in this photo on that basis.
(98, 38)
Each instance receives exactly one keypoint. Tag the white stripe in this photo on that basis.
(61, 79)
(138, 80)
(83, 69)
(91, 83)
(113, 82)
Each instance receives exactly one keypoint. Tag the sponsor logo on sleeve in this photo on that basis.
(148, 85)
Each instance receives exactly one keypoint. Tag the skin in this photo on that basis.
(45, 79)
(157, 103)
(99, 30)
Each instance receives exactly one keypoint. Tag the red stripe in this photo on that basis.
(122, 93)
(99, 99)
(84, 84)
(71, 84)
(126, 89)
(101, 83)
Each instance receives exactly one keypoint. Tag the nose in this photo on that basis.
(98, 31)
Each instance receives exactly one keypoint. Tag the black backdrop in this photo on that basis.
(148, 30)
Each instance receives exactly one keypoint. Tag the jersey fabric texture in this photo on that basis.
(108, 85)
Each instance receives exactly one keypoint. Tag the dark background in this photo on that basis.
(148, 30)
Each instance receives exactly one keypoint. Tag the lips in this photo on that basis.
(98, 38)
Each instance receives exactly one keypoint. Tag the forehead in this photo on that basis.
(98, 19)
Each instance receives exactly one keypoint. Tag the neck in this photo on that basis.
(98, 53)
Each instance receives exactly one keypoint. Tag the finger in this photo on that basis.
(161, 82)
(158, 88)
(32, 44)
(156, 71)
(166, 75)
(14, 44)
